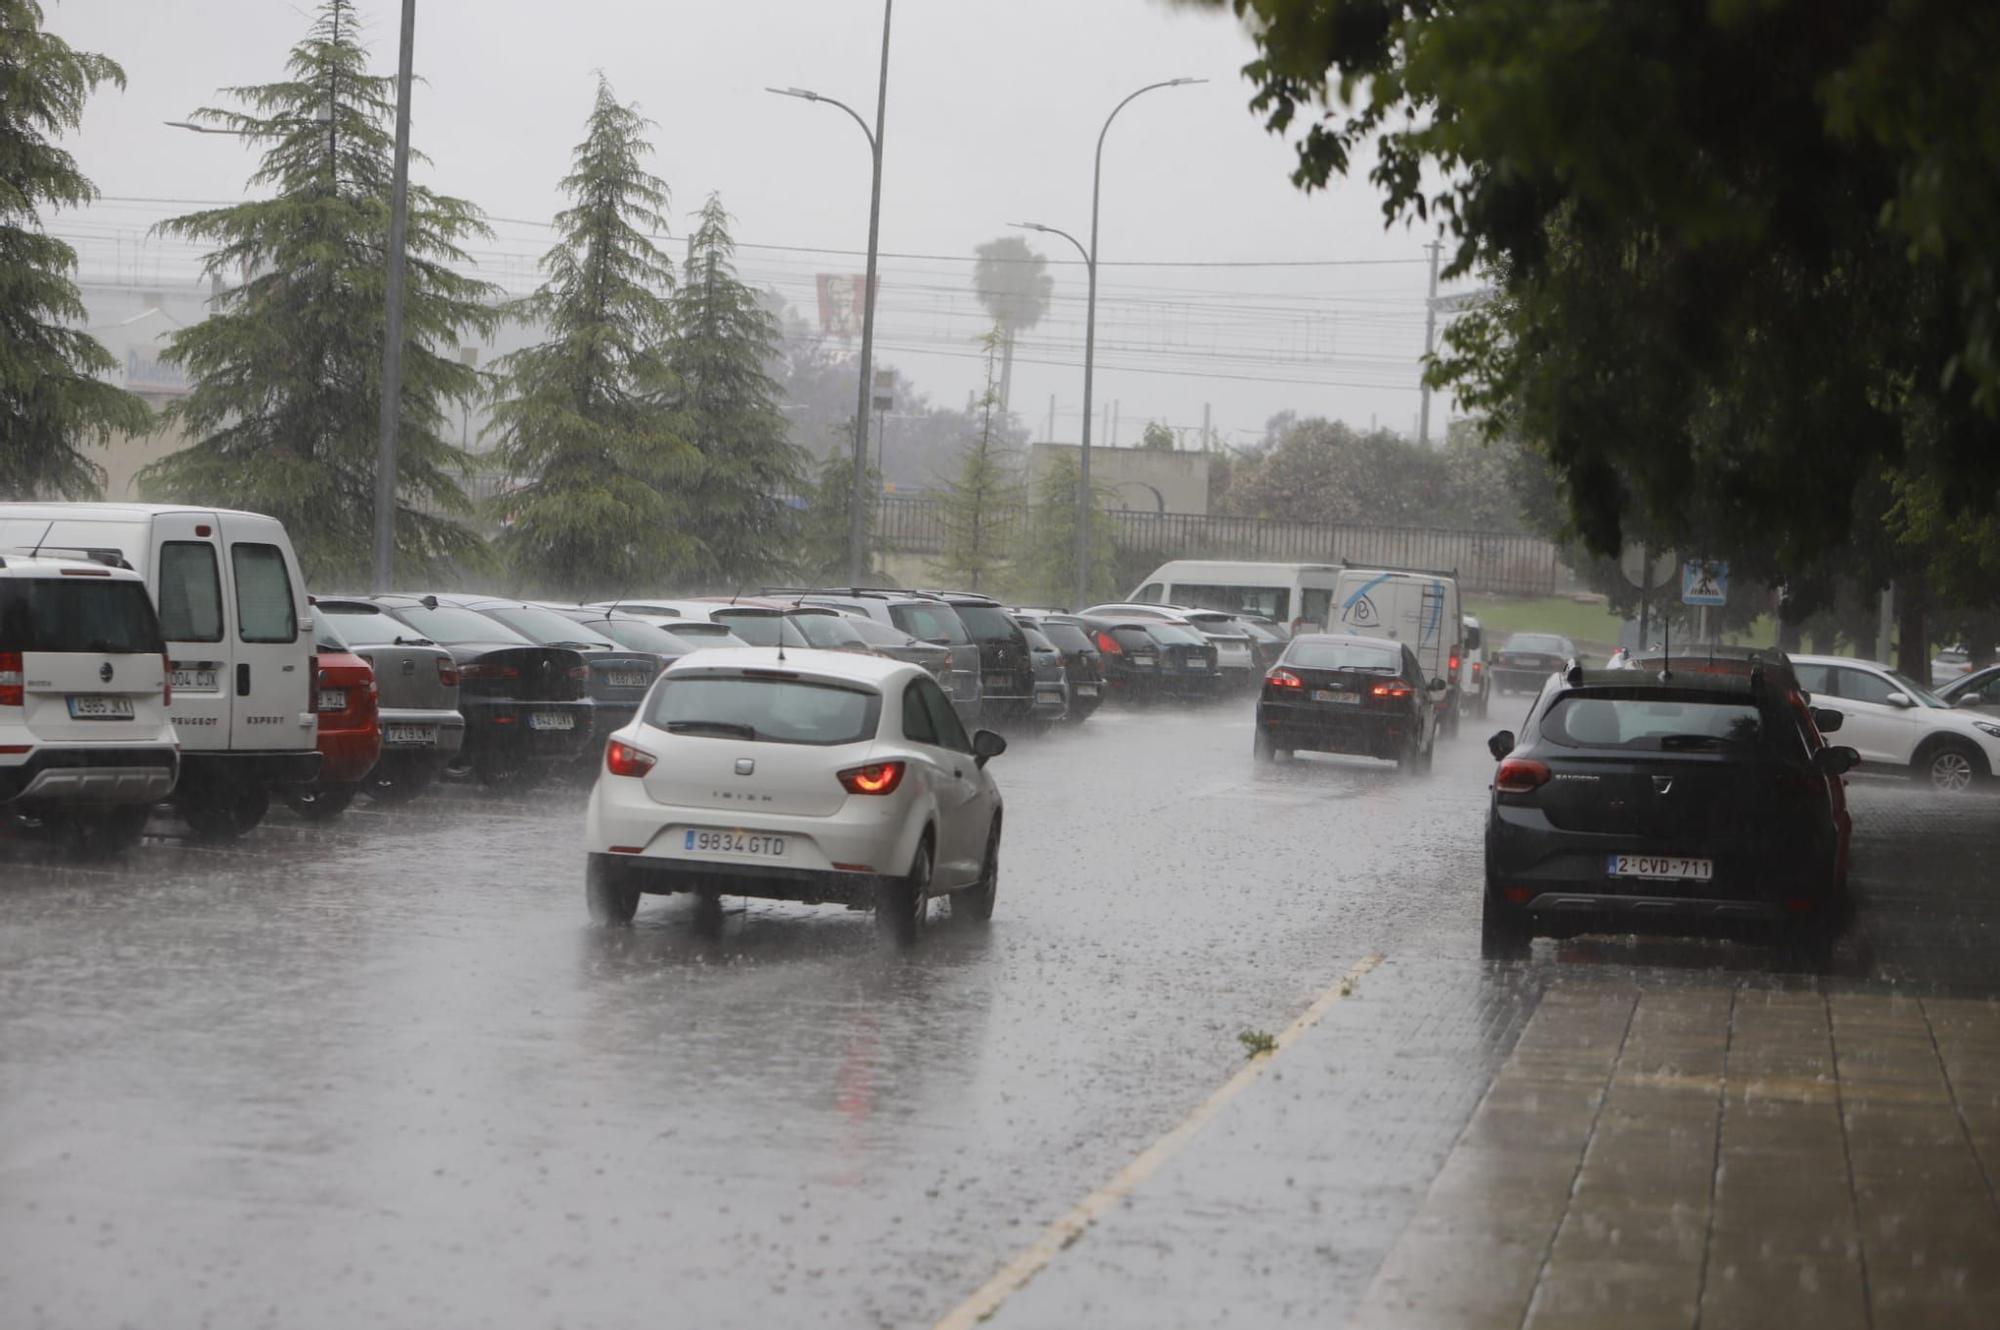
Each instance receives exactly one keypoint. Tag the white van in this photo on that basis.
(233, 612)
(1417, 609)
(1287, 593)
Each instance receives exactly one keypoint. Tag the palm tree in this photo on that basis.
(1013, 282)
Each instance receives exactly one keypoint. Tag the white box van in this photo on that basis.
(1415, 608)
(1297, 594)
(238, 629)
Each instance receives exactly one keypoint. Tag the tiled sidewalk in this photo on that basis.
(1718, 1158)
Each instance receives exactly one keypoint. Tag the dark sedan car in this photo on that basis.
(1051, 674)
(1526, 660)
(1006, 673)
(1083, 663)
(1337, 693)
(1148, 659)
(619, 675)
(1637, 800)
(526, 706)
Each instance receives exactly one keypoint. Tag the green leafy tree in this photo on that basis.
(821, 543)
(723, 339)
(1013, 282)
(582, 418)
(1045, 569)
(52, 402)
(285, 408)
(1158, 437)
(982, 503)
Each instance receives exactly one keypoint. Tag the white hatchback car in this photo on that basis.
(814, 776)
(1894, 722)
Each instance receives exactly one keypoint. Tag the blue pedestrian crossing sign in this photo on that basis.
(1705, 582)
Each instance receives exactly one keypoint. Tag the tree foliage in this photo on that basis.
(723, 339)
(1045, 569)
(52, 402)
(821, 544)
(287, 379)
(1316, 470)
(982, 502)
(1014, 285)
(582, 418)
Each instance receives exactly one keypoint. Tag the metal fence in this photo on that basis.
(1483, 560)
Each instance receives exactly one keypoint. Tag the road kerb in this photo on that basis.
(1077, 1220)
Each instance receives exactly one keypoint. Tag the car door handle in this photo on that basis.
(243, 680)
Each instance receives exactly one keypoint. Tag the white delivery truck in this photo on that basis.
(1286, 593)
(238, 631)
(1419, 609)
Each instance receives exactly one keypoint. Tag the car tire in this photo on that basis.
(1952, 766)
(1807, 946)
(97, 834)
(223, 810)
(1505, 933)
(902, 904)
(975, 903)
(319, 803)
(1265, 748)
(611, 898)
(398, 779)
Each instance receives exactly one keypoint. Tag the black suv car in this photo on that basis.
(1006, 668)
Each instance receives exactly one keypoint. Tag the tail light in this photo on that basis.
(1520, 775)
(1390, 690)
(622, 759)
(13, 690)
(166, 680)
(477, 670)
(1284, 679)
(875, 778)
(447, 671)
(1477, 667)
(1109, 645)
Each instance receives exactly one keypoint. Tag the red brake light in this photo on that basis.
(1477, 666)
(875, 778)
(581, 672)
(447, 671)
(13, 689)
(1109, 645)
(478, 671)
(1520, 775)
(622, 759)
(1284, 679)
(1390, 690)
(1454, 663)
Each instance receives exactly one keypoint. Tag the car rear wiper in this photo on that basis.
(413, 642)
(731, 727)
(1670, 742)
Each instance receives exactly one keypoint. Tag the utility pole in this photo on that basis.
(1204, 427)
(1051, 435)
(1430, 340)
(392, 319)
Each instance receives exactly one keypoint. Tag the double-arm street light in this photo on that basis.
(1083, 503)
(857, 527)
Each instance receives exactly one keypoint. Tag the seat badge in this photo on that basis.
(1663, 785)
(104, 671)
(746, 766)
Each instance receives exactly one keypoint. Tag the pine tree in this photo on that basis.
(287, 370)
(982, 504)
(723, 338)
(583, 418)
(821, 545)
(51, 400)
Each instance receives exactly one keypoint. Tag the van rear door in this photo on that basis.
(269, 684)
(185, 573)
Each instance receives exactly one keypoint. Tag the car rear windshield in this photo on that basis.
(549, 628)
(99, 615)
(1067, 636)
(1175, 634)
(827, 630)
(636, 636)
(709, 634)
(763, 628)
(1652, 724)
(367, 626)
(987, 623)
(1537, 644)
(766, 708)
(930, 623)
(1344, 656)
(882, 634)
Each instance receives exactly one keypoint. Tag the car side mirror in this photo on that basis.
(1439, 685)
(986, 745)
(1827, 719)
(1899, 700)
(1501, 744)
(1970, 699)
(1836, 761)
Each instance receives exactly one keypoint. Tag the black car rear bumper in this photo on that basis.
(510, 727)
(1333, 728)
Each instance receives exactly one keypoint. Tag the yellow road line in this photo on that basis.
(1077, 1220)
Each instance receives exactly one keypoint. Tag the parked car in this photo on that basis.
(232, 608)
(1146, 659)
(891, 641)
(1235, 646)
(1083, 663)
(634, 633)
(838, 778)
(1006, 675)
(1948, 664)
(527, 707)
(830, 630)
(1344, 693)
(618, 675)
(1979, 690)
(1896, 724)
(1474, 683)
(1267, 640)
(416, 683)
(87, 742)
(1526, 660)
(350, 733)
(924, 617)
(755, 620)
(1641, 801)
(1051, 675)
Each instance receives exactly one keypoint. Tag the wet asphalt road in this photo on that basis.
(384, 1073)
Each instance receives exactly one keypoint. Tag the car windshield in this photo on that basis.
(1537, 644)
(831, 631)
(1344, 656)
(765, 708)
(364, 625)
(100, 615)
(1068, 636)
(929, 622)
(549, 628)
(1651, 723)
(879, 634)
(449, 623)
(762, 628)
(637, 636)
(987, 623)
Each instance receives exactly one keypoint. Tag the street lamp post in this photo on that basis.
(857, 528)
(392, 321)
(1090, 336)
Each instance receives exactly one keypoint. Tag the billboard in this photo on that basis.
(840, 303)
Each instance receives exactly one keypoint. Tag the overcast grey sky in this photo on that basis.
(993, 111)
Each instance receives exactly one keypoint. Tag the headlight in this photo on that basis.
(1985, 728)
